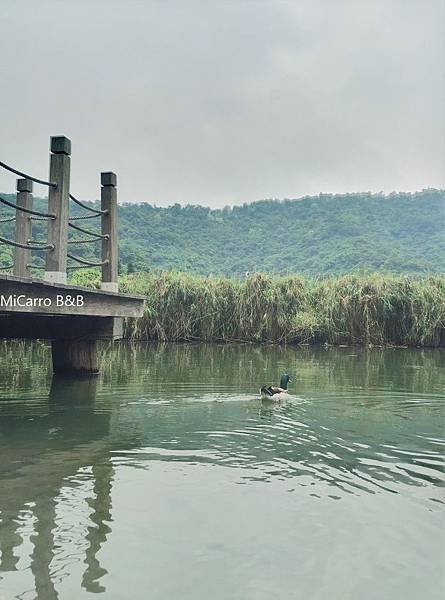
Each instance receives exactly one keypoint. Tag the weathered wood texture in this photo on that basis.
(64, 299)
(23, 228)
(74, 357)
(50, 327)
(72, 317)
(109, 228)
(58, 204)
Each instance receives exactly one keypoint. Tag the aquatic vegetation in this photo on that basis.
(370, 309)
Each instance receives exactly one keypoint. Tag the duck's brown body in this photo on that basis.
(270, 392)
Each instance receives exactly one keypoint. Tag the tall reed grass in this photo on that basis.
(352, 309)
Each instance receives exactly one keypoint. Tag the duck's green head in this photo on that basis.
(284, 381)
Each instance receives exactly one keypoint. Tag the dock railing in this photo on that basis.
(59, 222)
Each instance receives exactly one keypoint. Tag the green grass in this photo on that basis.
(351, 309)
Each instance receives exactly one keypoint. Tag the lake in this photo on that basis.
(167, 477)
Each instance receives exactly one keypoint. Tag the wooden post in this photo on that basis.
(23, 226)
(58, 204)
(108, 195)
(74, 357)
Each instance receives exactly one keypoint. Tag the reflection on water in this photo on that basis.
(167, 473)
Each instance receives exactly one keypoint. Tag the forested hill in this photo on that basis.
(315, 235)
(403, 233)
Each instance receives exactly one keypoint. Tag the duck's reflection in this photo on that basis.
(51, 449)
(344, 431)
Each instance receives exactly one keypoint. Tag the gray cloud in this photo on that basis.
(227, 102)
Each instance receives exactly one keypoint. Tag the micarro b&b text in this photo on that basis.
(23, 301)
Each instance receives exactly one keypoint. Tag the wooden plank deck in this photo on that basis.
(37, 297)
(36, 309)
(72, 317)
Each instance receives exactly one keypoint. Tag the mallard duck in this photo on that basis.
(269, 392)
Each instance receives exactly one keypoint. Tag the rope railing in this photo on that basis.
(94, 210)
(87, 262)
(30, 266)
(82, 241)
(69, 267)
(42, 267)
(35, 242)
(26, 246)
(73, 267)
(55, 216)
(82, 217)
(27, 210)
(41, 181)
(89, 232)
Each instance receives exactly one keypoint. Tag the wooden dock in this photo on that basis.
(72, 317)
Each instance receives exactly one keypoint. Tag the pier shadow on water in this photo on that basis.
(41, 455)
(165, 433)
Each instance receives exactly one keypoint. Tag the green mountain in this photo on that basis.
(326, 234)
(323, 234)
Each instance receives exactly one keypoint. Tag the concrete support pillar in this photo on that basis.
(74, 357)
(23, 228)
(58, 204)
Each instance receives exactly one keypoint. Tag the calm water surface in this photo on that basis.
(167, 478)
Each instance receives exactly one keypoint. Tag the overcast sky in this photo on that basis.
(225, 102)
